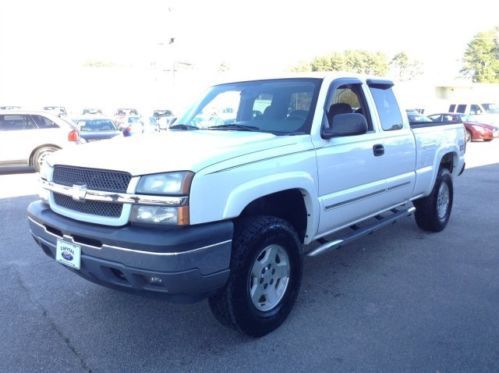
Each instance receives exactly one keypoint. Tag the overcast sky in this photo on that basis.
(47, 37)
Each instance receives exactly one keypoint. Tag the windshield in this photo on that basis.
(491, 108)
(96, 125)
(282, 107)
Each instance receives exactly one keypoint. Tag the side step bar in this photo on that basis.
(358, 232)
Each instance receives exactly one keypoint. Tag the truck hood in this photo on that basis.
(170, 151)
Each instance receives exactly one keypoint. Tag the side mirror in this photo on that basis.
(350, 124)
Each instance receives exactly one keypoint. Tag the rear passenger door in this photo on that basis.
(397, 139)
(351, 170)
(362, 175)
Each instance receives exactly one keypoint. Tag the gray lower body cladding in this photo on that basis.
(184, 264)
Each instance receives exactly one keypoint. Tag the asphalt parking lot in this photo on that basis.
(399, 300)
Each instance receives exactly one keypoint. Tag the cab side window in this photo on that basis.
(346, 99)
(16, 123)
(388, 108)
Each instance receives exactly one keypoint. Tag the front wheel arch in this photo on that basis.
(233, 305)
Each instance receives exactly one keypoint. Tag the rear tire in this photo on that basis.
(468, 136)
(265, 277)
(433, 212)
(40, 156)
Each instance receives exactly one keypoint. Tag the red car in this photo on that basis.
(475, 131)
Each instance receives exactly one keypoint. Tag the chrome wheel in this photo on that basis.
(41, 158)
(269, 277)
(443, 201)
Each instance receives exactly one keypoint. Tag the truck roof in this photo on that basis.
(328, 75)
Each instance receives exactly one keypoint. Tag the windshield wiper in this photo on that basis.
(234, 127)
(185, 127)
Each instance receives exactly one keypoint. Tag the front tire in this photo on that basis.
(265, 277)
(433, 212)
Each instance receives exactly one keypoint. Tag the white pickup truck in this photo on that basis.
(227, 205)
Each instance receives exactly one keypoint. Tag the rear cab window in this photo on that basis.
(386, 105)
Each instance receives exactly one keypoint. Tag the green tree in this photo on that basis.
(357, 61)
(403, 68)
(481, 58)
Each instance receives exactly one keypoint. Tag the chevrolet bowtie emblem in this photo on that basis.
(79, 192)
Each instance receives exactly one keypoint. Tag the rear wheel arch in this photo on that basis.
(433, 211)
(449, 161)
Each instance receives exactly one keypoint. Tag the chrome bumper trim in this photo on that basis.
(79, 194)
(111, 247)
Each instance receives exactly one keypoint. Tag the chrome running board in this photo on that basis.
(357, 232)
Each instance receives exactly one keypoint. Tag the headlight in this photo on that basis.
(169, 184)
(160, 215)
(172, 183)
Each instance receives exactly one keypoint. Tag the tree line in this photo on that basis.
(480, 61)
(401, 66)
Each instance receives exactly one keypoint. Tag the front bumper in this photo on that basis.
(182, 263)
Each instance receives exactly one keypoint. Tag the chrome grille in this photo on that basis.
(89, 207)
(104, 180)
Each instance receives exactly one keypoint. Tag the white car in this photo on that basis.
(27, 137)
(230, 211)
(480, 112)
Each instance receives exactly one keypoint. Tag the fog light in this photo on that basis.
(155, 280)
